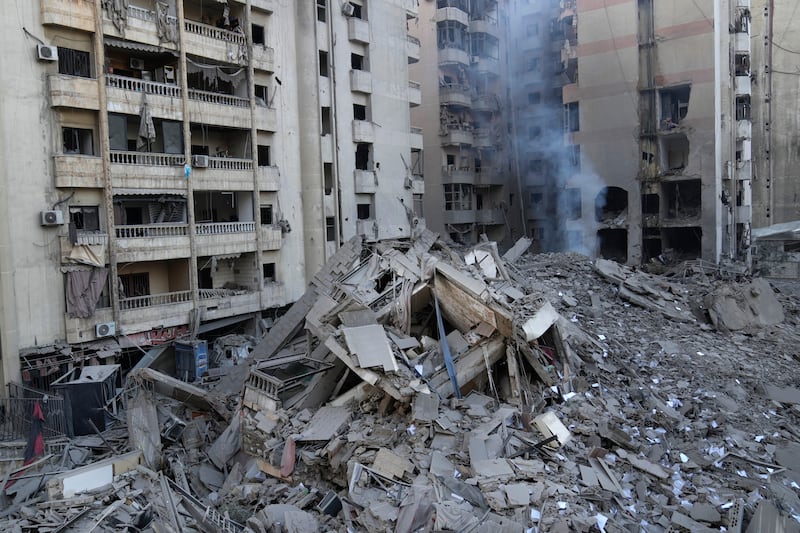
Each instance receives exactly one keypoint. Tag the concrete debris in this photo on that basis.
(546, 393)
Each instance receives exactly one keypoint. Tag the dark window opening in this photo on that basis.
(742, 20)
(651, 246)
(363, 155)
(686, 242)
(263, 155)
(133, 285)
(791, 247)
(323, 63)
(572, 121)
(359, 112)
(651, 204)
(613, 244)
(266, 215)
(330, 229)
(269, 272)
(743, 107)
(457, 197)
(674, 152)
(674, 106)
(86, 218)
(262, 95)
(73, 62)
(358, 11)
(77, 141)
(328, 177)
(356, 62)
(326, 121)
(363, 211)
(198, 149)
(478, 201)
(742, 64)
(322, 10)
(610, 204)
(683, 198)
(259, 35)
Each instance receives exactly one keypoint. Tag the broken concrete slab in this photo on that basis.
(371, 346)
(325, 424)
(736, 307)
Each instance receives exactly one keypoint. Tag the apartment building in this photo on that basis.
(655, 153)
(464, 116)
(184, 166)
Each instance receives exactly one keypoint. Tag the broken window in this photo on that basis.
(269, 272)
(323, 63)
(363, 211)
(326, 120)
(359, 112)
(262, 95)
(259, 35)
(363, 156)
(330, 229)
(743, 107)
(73, 62)
(650, 204)
(611, 204)
(674, 152)
(457, 197)
(322, 10)
(266, 215)
(77, 141)
(674, 106)
(683, 198)
(263, 155)
(613, 244)
(572, 120)
(356, 61)
(359, 12)
(327, 171)
(742, 64)
(742, 20)
(686, 242)
(451, 34)
(85, 217)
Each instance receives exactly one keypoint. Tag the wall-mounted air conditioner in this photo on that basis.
(52, 218)
(45, 52)
(166, 74)
(348, 9)
(137, 64)
(200, 161)
(105, 329)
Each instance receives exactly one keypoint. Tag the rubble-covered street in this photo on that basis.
(421, 387)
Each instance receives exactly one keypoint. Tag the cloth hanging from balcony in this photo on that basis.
(211, 73)
(84, 288)
(167, 32)
(147, 130)
(88, 254)
(118, 13)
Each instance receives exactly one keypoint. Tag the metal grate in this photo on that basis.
(16, 413)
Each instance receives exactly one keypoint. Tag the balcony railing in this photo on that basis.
(218, 98)
(222, 228)
(143, 86)
(413, 40)
(208, 294)
(415, 130)
(230, 163)
(167, 298)
(147, 15)
(91, 238)
(212, 32)
(151, 230)
(147, 158)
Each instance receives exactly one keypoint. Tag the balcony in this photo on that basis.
(263, 58)
(489, 177)
(272, 237)
(147, 170)
(152, 242)
(453, 174)
(486, 25)
(463, 216)
(742, 85)
(222, 238)
(273, 295)
(358, 30)
(141, 28)
(455, 135)
(222, 303)
(485, 65)
(489, 216)
(224, 173)
(363, 131)
(77, 14)
(124, 95)
(366, 181)
(486, 103)
(455, 94)
(143, 313)
(453, 14)
(414, 94)
(449, 55)
(361, 81)
(412, 49)
(79, 171)
(219, 109)
(73, 91)
(412, 9)
(484, 138)
(415, 139)
(84, 238)
(269, 179)
(215, 43)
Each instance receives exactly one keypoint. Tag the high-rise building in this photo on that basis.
(183, 166)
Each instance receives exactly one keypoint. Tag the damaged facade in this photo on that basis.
(176, 167)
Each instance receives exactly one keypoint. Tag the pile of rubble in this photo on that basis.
(418, 388)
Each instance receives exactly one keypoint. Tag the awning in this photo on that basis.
(156, 193)
(139, 47)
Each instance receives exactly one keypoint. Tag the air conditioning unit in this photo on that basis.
(348, 9)
(200, 161)
(105, 329)
(52, 218)
(166, 74)
(137, 64)
(45, 52)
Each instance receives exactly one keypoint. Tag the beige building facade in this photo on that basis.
(182, 167)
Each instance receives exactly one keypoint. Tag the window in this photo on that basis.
(327, 169)
(534, 98)
(262, 95)
(269, 272)
(742, 64)
(73, 62)
(77, 141)
(322, 10)
(259, 36)
(323, 63)
(674, 106)
(575, 156)
(266, 215)
(264, 159)
(358, 11)
(86, 218)
(356, 62)
(363, 211)
(326, 120)
(363, 156)
(451, 34)
(133, 285)
(572, 117)
(359, 112)
(457, 197)
(743, 107)
(330, 229)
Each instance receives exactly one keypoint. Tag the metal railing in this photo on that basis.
(147, 158)
(91, 238)
(167, 298)
(218, 98)
(207, 294)
(221, 228)
(230, 163)
(16, 413)
(151, 230)
(142, 86)
(212, 32)
(147, 15)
